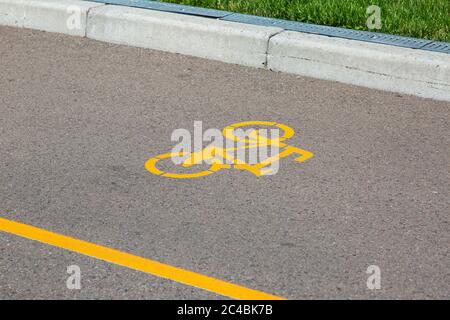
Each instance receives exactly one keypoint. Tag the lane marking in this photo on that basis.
(152, 267)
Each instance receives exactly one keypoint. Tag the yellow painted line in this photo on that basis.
(134, 262)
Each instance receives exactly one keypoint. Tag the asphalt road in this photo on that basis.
(79, 119)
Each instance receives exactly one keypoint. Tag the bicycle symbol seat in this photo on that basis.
(225, 158)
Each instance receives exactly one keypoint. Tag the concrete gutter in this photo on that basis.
(410, 71)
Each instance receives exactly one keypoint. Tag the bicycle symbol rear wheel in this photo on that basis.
(151, 165)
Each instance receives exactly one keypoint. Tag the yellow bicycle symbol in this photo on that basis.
(224, 158)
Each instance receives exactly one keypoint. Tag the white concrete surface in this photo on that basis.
(11, 13)
(196, 36)
(410, 71)
(61, 16)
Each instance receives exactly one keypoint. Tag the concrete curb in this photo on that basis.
(417, 72)
(404, 70)
(61, 16)
(206, 38)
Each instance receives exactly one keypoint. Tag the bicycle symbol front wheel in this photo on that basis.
(285, 131)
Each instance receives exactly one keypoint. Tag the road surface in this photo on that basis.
(80, 118)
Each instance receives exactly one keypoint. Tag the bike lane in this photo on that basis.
(81, 119)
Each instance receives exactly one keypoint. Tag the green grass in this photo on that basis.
(429, 19)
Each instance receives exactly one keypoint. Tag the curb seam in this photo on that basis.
(266, 63)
